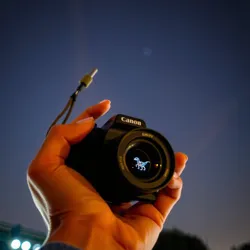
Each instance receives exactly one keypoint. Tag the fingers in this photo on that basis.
(175, 182)
(169, 196)
(180, 162)
(57, 144)
(165, 201)
(95, 111)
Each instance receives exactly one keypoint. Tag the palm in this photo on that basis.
(138, 227)
(60, 193)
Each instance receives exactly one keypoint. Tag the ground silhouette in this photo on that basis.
(177, 240)
(244, 246)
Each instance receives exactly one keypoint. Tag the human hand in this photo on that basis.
(72, 209)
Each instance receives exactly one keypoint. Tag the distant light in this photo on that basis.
(15, 244)
(36, 247)
(147, 51)
(26, 245)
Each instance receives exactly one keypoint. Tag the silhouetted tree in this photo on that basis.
(244, 246)
(178, 240)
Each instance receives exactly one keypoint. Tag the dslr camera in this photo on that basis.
(124, 160)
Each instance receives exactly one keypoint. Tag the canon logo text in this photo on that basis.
(131, 121)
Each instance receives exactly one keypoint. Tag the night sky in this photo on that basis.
(182, 66)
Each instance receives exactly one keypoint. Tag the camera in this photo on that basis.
(124, 160)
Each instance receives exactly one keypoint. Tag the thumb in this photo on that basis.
(61, 137)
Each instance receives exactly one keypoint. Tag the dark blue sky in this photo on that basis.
(183, 66)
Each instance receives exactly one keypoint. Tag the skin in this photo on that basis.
(75, 213)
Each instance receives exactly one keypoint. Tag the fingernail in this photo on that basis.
(175, 175)
(109, 102)
(186, 158)
(86, 120)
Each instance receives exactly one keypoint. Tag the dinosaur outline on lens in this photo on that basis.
(140, 165)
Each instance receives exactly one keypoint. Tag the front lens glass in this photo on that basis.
(143, 159)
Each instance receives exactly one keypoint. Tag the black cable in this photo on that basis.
(69, 112)
(69, 106)
(84, 83)
(60, 115)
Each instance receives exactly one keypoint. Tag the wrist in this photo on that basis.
(85, 234)
(73, 231)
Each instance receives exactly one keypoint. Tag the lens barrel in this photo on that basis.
(146, 159)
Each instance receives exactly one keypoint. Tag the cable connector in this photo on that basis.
(87, 79)
(84, 82)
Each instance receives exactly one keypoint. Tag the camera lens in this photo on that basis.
(143, 159)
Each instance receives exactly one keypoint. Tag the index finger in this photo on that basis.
(94, 111)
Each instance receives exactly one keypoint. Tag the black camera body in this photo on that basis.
(124, 160)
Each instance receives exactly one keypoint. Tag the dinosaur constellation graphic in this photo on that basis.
(140, 165)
